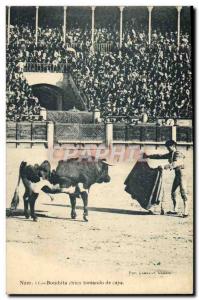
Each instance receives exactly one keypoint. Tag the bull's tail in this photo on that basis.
(15, 199)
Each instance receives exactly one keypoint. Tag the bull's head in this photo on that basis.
(45, 170)
(53, 177)
(103, 176)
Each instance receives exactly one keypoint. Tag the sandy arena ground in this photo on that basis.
(121, 249)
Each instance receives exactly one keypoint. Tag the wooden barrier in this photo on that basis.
(122, 132)
(184, 134)
(29, 134)
(26, 134)
(79, 133)
(81, 117)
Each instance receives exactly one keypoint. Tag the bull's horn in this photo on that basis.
(104, 162)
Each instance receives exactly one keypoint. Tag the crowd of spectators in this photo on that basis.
(21, 105)
(138, 78)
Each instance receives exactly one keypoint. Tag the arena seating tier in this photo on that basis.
(138, 78)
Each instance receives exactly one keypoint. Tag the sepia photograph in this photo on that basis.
(99, 150)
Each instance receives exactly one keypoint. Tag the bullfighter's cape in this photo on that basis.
(145, 184)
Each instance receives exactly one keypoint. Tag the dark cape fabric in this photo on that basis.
(144, 184)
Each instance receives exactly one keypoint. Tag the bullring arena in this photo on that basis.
(121, 242)
(121, 90)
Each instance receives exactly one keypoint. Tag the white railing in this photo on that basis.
(105, 47)
(45, 67)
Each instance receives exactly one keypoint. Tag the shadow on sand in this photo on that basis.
(118, 211)
(18, 213)
(107, 210)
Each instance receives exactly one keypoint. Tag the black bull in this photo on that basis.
(80, 174)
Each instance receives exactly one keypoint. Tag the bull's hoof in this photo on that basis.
(162, 212)
(73, 216)
(10, 212)
(34, 218)
(85, 218)
(27, 216)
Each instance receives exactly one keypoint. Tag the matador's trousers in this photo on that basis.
(179, 181)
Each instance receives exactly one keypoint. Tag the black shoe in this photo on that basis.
(172, 212)
(185, 215)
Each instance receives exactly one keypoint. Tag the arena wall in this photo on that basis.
(49, 134)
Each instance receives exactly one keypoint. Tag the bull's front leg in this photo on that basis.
(26, 196)
(83, 188)
(73, 206)
(32, 200)
(84, 196)
(26, 202)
